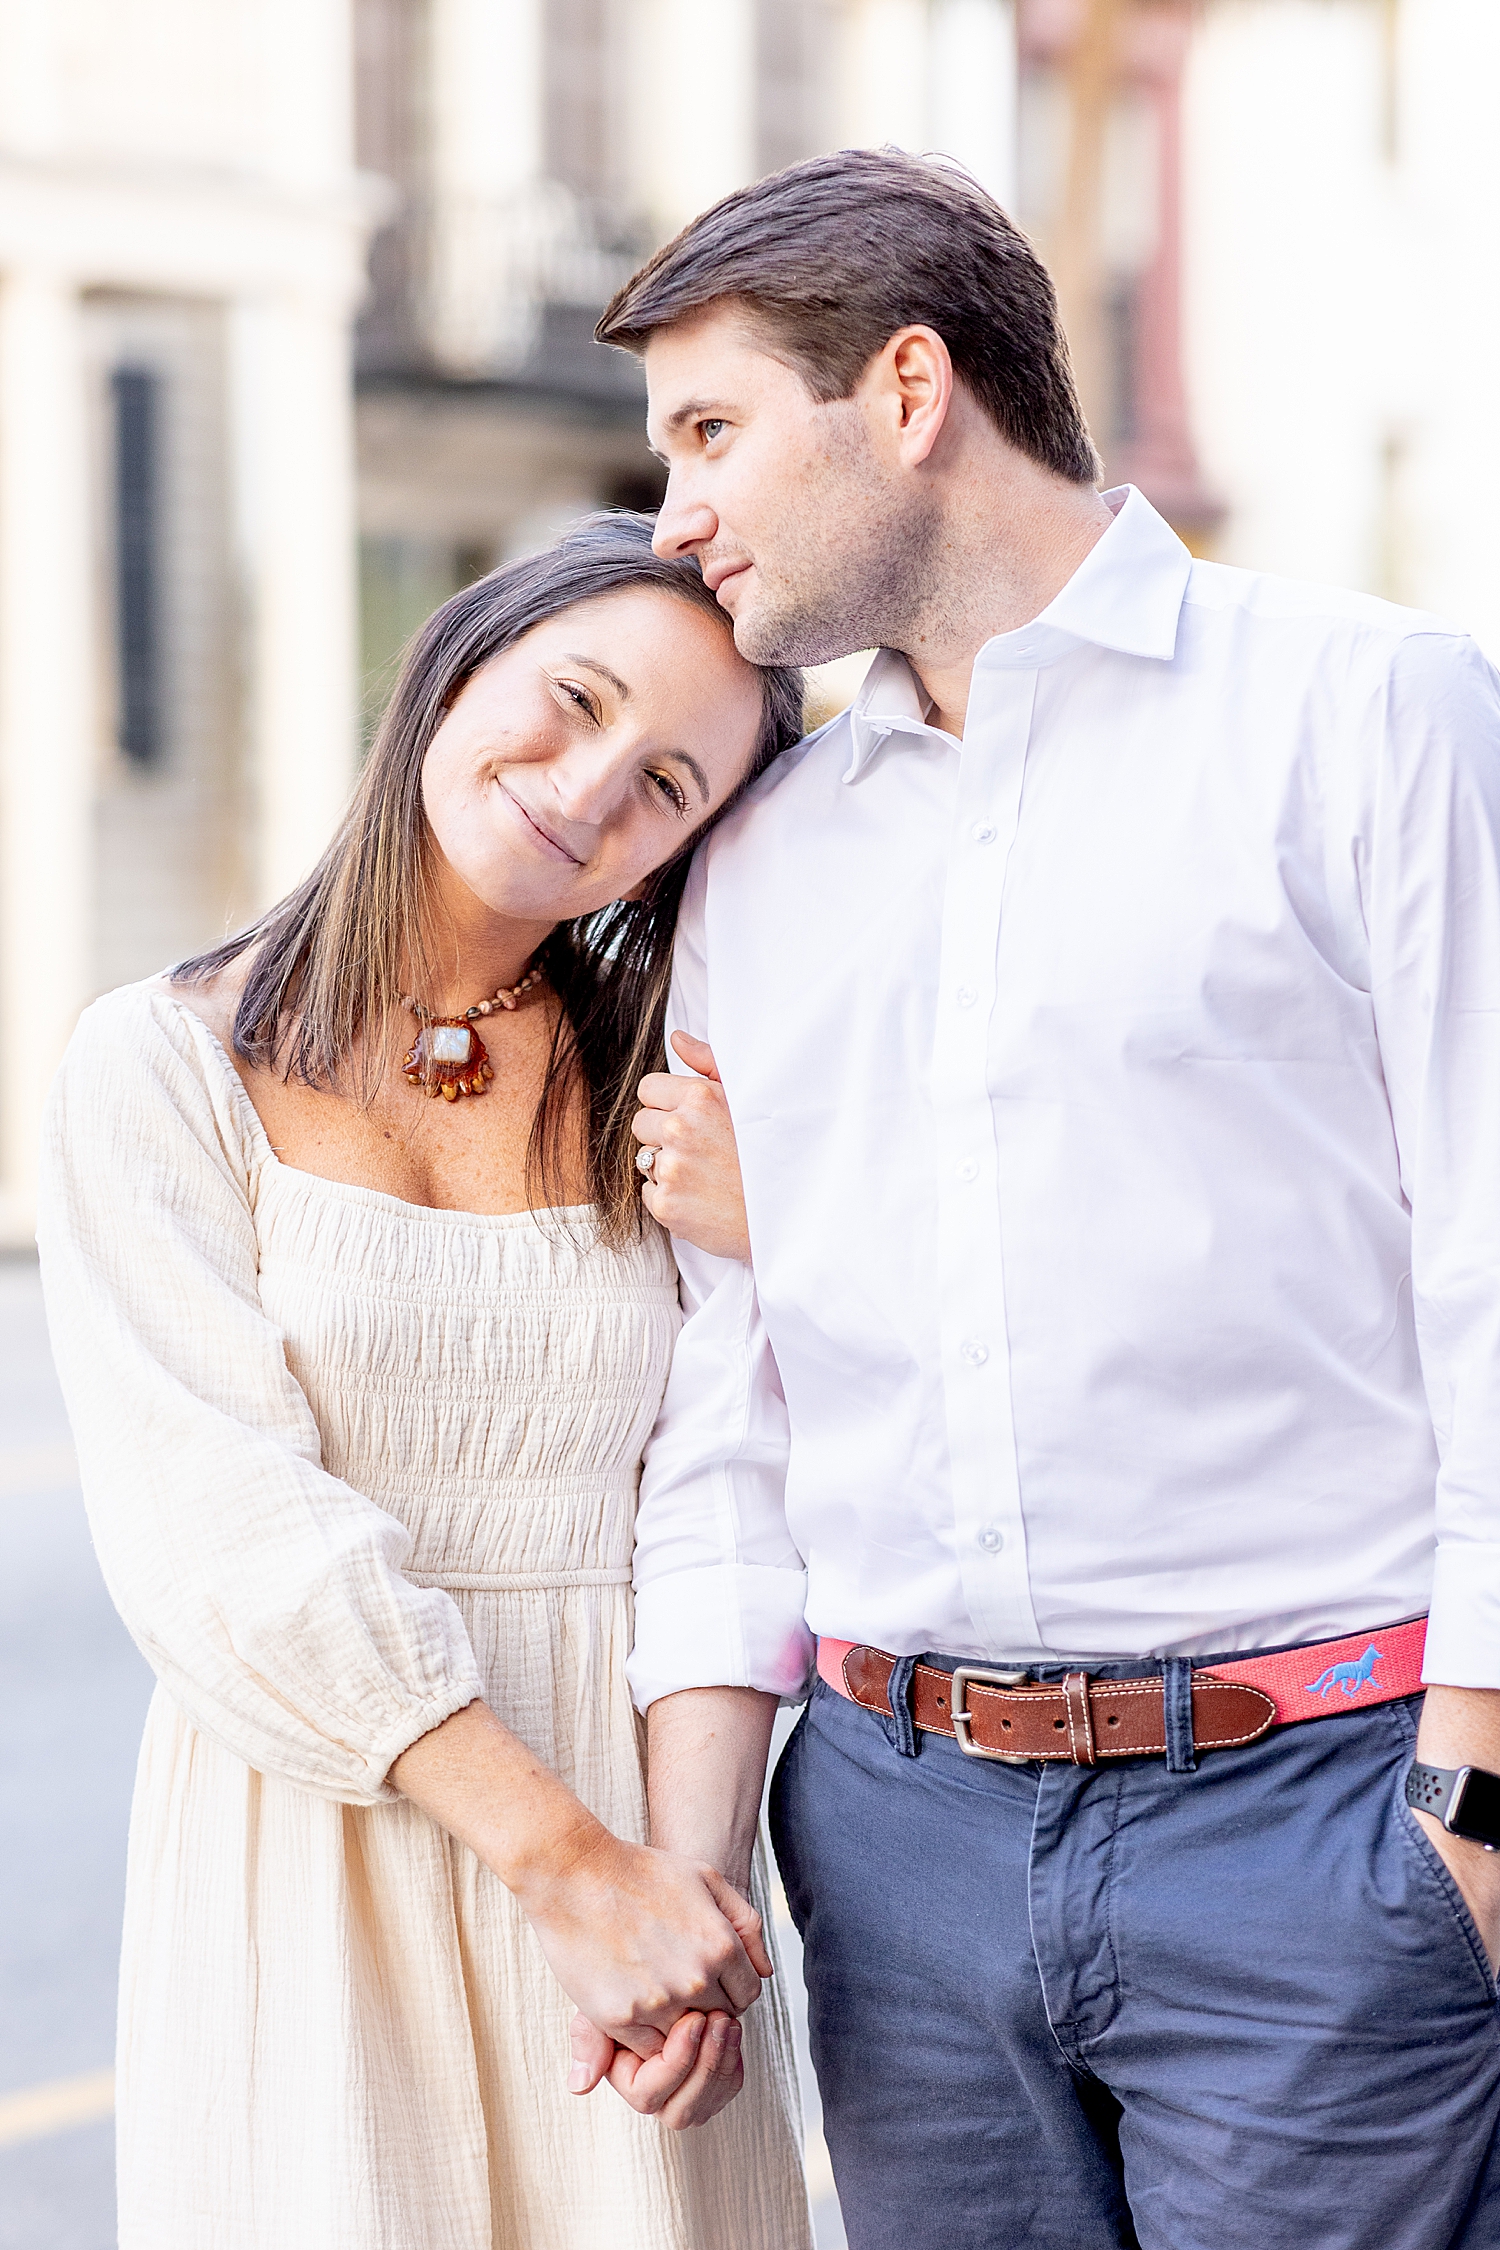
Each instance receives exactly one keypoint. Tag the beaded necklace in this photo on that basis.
(448, 1057)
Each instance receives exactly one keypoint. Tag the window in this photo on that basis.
(137, 448)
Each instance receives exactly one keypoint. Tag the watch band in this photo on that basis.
(1443, 1792)
(1429, 1789)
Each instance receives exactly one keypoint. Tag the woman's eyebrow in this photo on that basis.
(685, 758)
(592, 664)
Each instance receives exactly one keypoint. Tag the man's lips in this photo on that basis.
(717, 574)
(551, 844)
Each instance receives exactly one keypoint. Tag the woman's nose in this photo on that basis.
(684, 524)
(590, 783)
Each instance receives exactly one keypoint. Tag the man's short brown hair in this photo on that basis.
(835, 255)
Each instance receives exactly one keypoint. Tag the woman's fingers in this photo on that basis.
(593, 2053)
(697, 1054)
(746, 1925)
(694, 1188)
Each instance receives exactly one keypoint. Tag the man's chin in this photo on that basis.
(763, 638)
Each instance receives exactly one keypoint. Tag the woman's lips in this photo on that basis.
(540, 835)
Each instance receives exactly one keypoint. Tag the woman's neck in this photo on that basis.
(472, 952)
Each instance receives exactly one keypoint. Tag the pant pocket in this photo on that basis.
(1433, 1870)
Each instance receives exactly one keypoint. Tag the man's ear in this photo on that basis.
(912, 380)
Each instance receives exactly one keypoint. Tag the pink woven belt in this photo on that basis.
(1318, 1681)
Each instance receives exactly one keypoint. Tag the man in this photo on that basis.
(1108, 1008)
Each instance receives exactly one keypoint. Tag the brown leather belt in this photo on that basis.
(1081, 1722)
(1001, 1714)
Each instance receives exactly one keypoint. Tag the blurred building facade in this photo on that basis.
(541, 148)
(182, 241)
(1342, 324)
(296, 310)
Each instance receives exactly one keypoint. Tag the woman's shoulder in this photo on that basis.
(142, 1023)
(154, 1043)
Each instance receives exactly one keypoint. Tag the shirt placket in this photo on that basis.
(988, 1526)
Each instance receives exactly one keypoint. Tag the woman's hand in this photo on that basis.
(642, 1941)
(694, 1189)
(639, 1938)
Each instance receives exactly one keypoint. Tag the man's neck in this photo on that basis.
(1006, 551)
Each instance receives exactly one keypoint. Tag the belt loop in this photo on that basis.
(1080, 1718)
(1177, 1698)
(901, 1730)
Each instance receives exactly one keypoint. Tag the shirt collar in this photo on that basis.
(1125, 595)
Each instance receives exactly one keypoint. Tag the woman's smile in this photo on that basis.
(534, 830)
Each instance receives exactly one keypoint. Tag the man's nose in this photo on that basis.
(684, 524)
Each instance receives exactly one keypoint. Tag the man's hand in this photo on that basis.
(638, 1938)
(698, 2072)
(1461, 1727)
(695, 1190)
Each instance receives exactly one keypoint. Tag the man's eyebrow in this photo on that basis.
(592, 664)
(680, 416)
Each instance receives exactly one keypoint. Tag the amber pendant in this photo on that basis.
(448, 1057)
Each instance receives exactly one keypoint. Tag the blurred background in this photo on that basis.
(296, 301)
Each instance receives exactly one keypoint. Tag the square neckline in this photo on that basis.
(260, 1139)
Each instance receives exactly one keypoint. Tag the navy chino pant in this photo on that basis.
(1237, 2008)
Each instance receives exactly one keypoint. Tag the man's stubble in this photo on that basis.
(846, 562)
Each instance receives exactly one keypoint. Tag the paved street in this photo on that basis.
(74, 1692)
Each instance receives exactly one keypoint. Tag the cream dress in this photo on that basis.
(350, 1463)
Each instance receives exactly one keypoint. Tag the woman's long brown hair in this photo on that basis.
(328, 962)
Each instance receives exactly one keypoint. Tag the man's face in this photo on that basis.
(796, 511)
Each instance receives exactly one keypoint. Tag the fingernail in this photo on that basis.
(697, 2031)
(578, 2079)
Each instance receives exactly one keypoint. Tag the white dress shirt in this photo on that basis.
(1118, 1097)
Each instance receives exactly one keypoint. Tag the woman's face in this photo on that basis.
(574, 764)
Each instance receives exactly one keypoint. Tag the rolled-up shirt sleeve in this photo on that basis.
(1428, 857)
(267, 1595)
(720, 1588)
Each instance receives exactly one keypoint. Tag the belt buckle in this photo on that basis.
(962, 1717)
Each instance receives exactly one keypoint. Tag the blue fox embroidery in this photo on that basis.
(1350, 1677)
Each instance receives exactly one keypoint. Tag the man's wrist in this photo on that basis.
(706, 1765)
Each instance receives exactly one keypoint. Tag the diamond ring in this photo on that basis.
(645, 1161)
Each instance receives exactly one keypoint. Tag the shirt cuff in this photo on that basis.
(728, 1625)
(1463, 1630)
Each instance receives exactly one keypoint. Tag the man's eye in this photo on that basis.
(711, 429)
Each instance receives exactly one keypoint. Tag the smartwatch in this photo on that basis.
(1465, 1799)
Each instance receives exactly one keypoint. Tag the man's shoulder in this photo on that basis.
(820, 758)
(1337, 612)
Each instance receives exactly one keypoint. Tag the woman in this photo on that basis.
(362, 1338)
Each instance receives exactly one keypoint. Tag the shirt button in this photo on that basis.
(992, 1539)
(982, 832)
(966, 996)
(973, 1353)
(968, 1170)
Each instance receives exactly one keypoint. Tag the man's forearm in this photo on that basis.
(706, 1754)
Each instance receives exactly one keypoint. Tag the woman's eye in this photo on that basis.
(580, 696)
(669, 789)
